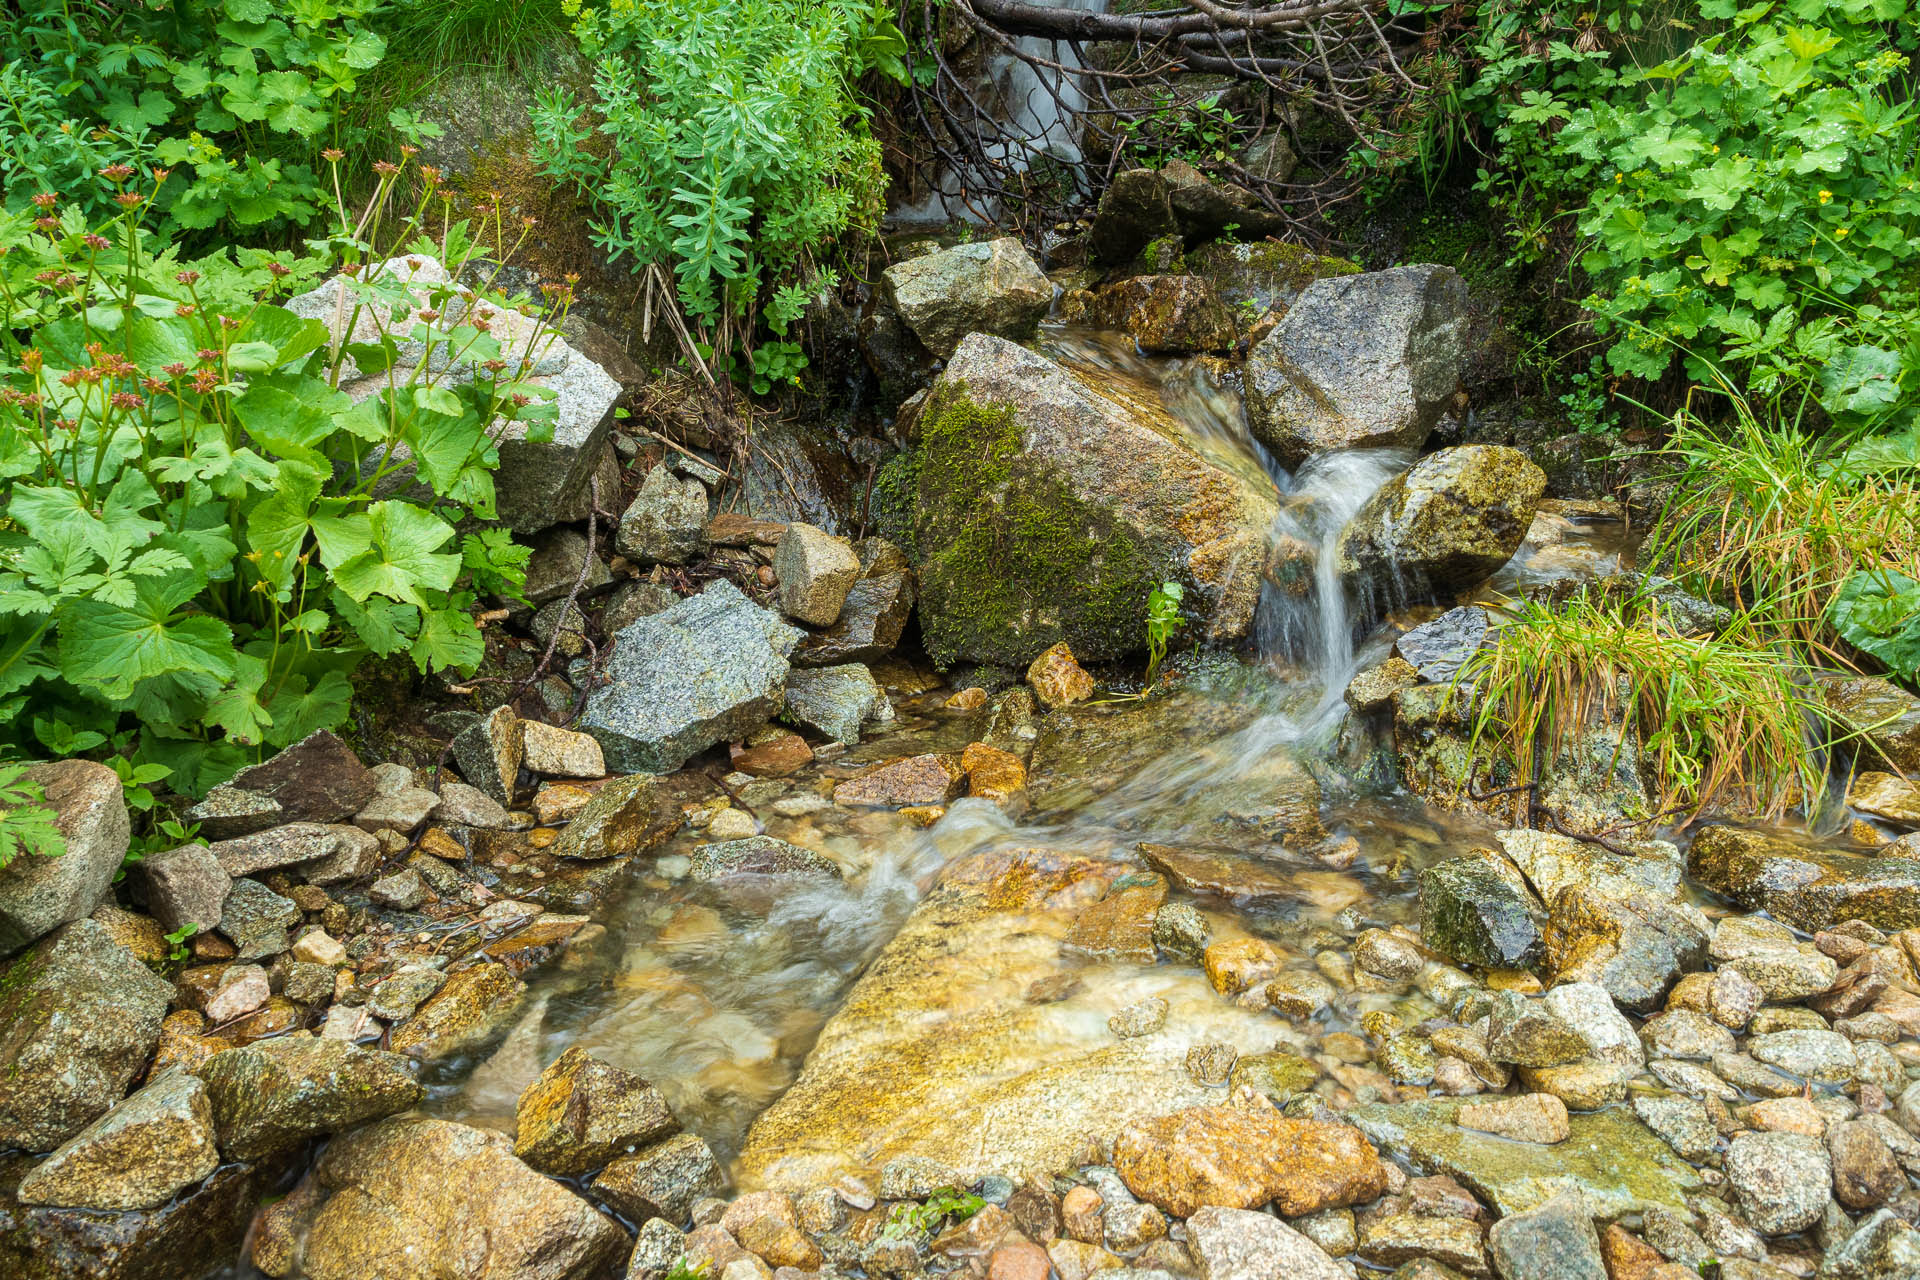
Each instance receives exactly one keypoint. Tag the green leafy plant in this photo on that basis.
(1589, 409)
(177, 942)
(241, 96)
(1878, 612)
(926, 1217)
(26, 820)
(724, 144)
(1163, 619)
(204, 534)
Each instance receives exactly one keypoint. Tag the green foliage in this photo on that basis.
(1163, 619)
(724, 143)
(1718, 718)
(1750, 203)
(1878, 612)
(26, 820)
(1588, 409)
(926, 1217)
(495, 33)
(177, 949)
(239, 96)
(203, 534)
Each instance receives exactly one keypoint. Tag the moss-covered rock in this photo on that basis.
(1163, 313)
(1807, 888)
(1445, 525)
(1259, 276)
(1044, 510)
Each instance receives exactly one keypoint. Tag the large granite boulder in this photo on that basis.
(1886, 717)
(979, 1078)
(38, 895)
(1359, 362)
(1164, 314)
(270, 1095)
(451, 1199)
(710, 669)
(137, 1156)
(1444, 525)
(1810, 889)
(79, 1017)
(1042, 509)
(990, 287)
(537, 484)
(1135, 210)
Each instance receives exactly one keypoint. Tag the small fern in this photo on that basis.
(26, 820)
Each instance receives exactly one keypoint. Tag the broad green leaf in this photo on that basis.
(237, 710)
(385, 627)
(112, 648)
(299, 710)
(405, 558)
(1861, 380)
(1879, 613)
(449, 639)
(278, 524)
(437, 400)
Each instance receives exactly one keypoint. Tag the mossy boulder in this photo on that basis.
(1041, 510)
(1257, 276)
(1445, 525)
(1810, 889)
(1479, 910)
(1164, 314)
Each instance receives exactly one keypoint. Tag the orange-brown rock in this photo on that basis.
(996, 775)
(1057, 679)
(1120, 925)
(1242, 1159)
(1235, 964)
(1630, 1258)
(911, 780)
(775, 758)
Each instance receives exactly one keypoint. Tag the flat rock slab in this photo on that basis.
(1808, 889)
(1616, 1161)
(1223, 873)
(980, 1077)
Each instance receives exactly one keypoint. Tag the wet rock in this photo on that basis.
(398, 995)
(666, 523)
(1528, 1033)
(79, 1017)
(1444, 525)
(489, 754)
(871, 621)
(1682, 1123)
(256, 919)
(1865, 1173)
(400, 810)
(186, 886)
(1635, 946)
(1768, 955)
(1617, 1163)
(1181, 931)
(403, 890)
(1046, 507)
(318, 779)
(270, 1095)
(1384, 955)
(835, 701)
(1882, 1247)
(1388, 1239)
(559, 753)
(1135, 210)
(474, 1003)
(1587, 1009)
(759, 856)
(1361, 361)
(707, 670)
(243, 988)
(137, 1156)
(817, 572)
(992, 287)
(1885, 796)
(1297, 994)
(583, 1112)
(1234, 965)
(1373, 689)
(1782, 1179)
(1532, 1117)
(1555, 1241)
(1142, 1018)
(38, 895)
(1236, 1244)
(996, 775)
(1223, 873)
(1244, 1159)
(180, 1239)
(1478, 910)
(452, 1194)
(1437, 650)
(1823, 1057)
(629, 816)
(1057, 678)
(911, 780)
(1811, 890)
(1886, 717)
(1120, 925)
(1164, 314)
(661, 1181)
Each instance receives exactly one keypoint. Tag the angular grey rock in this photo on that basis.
(1822, 1057)
(1881, 1247)
(631, 815)
(399, 810)
(1478, 910)
(759, 856)
(38, 895)
(317, 779)
(79, 1018)
(1810, 889)
(661, 1181)
(465, 806)
(1133, 499)
(1239, 1244)
(1359, 362)
(270, 1095)
(139, 1154)
(560, 753)
(816, 572)
(991, 287)
(1135, 210)
(295, 844)
(488, 752)
(1682, 1124)
(555, 567)
(836, 701)
(403, 890)
(1589, 1011)
(634, 600)
(710, 669)
(172, 1241)
(1782, 1179)
(1444, 525)
(401, 993)
(228, 811)
(871, 621)
(1438, 649)
(255, 919)
(1553, 1242)
(666, 523)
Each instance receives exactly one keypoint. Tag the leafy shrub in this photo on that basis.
(202, 531)
(26, 821)
(724, 143)
(1750, 202)
(1878, 612)
(240, 95)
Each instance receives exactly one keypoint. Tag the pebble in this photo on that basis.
(1682, 1033)
(1782, 1180)
(1532, 1117)
(1682, 1124)
(1142, 1018)
(1824, 1057)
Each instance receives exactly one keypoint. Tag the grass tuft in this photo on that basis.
(1721, 720)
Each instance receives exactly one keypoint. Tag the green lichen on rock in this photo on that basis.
(1265, 273)
(1165, 256)
(1024, 553)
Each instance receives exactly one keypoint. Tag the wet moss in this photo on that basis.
(1023, 561)
(1165, 256)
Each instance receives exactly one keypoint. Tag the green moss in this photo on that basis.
(1165, 256)
(1024, 560)
(891, 503)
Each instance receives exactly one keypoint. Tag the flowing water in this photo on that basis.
(716, 992)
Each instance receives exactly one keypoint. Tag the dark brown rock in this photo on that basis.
(317, 779)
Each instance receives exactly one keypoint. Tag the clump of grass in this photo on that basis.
(1720, 720)
(492, 33)
(1773, 520)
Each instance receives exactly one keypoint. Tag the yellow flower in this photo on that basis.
(1619, 177)
(1825, 196)
(1716, 148)
(1840, 233)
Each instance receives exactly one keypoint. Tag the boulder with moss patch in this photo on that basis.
(1042, 510)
